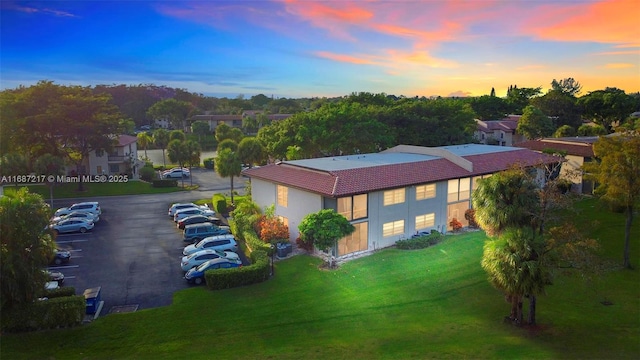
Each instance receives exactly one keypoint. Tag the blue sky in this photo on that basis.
(322, 48)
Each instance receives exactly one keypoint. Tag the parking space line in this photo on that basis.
(70, 241)
(62, 267)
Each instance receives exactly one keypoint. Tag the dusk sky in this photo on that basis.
(322, 48)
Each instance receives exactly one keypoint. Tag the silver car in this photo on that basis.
(199, 257)
(72, 225)
(76, 214)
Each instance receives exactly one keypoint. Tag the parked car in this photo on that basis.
(219, 242)
(56, 276)
(181, 214)
(196, 274)
(196, 232)
(199, 219)
(181, 206)
(89, 206)
(60, 256)
(76, 214)
(176, 173)
(72, 225)
(199, 257)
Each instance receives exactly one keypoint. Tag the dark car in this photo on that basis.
(56, 276)
(60, 256)
(196, 274)
(198, 219)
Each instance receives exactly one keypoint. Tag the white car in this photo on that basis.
(76, 214)
(181, 206)
(89, 206)
(176, 173)
(219, 242)
(201, 210)
(72, 225)
(199, 257)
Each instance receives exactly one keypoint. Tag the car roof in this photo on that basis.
(220, 237)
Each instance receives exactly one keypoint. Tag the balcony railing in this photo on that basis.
(118, 158)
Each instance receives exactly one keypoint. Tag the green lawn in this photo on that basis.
(394, 304)
(70, 190)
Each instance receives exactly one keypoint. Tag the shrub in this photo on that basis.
(420, 242)
(46, 314)
(147, 173)
(60, 292)
(470, 216)
(455, 224)
(306, 246)
(257, 272)
(219, 204)
(164, 183)
(272, 230)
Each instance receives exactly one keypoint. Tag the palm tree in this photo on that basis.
(505, 199)
(161, 140)
(193, 151)
(144, 140)
(178, 153)
(515, 266)
(228, 164)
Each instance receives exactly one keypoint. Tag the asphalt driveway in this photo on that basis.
(134, 251)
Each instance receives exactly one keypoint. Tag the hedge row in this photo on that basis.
(219, 203)
(65, 311)
(257, 272)
(420, 242)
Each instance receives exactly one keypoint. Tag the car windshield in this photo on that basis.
(203, 266)
(220, 253)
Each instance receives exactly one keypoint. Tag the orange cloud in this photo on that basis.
(622, 52)
(419, 58)
(604, 21)
(336, 17)
(619, 66)
(344, 58)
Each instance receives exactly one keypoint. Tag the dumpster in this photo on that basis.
(92, 299)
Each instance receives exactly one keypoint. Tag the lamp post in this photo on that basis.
(273, 250)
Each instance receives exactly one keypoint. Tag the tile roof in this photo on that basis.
(360, 180)
(574, 146)
(126, 140)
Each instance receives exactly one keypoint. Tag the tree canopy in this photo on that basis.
(25, 247)
(324, 228)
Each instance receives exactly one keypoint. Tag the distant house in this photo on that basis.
(579, 151)
(234, 121)
(123, 159)
(389, 195)
(499, 132)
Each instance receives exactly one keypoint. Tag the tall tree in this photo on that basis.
(534, 124)
(519, 98)
(227, 144)
(193, 151)
(251, 151)
(228, 164)
(559, 106)
(49, 165)
(177, 135)
(617, 173)
(324, 228)
(489, 107)
(200, 128)
(175, 111)
(178, 153)
(144, 140)
(161, 140)
(222, 132)
(13, 165)
(608, 107)
(568, 86)
(24, 247)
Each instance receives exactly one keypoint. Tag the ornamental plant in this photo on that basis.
(455, 224)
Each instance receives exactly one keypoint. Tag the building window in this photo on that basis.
(353, 207)
(283, 195)
(425, 191)
(458, 189)
(283, 220)
(425, 221)
(114, 169)
(357, 241)
(395, 196)
(393, 228)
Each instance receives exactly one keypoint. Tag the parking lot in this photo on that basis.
(133, 253)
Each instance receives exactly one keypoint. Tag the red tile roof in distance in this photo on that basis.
(583, 149)
(337, 183)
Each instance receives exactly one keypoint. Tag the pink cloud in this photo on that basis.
(603, 21)
(344, 58)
